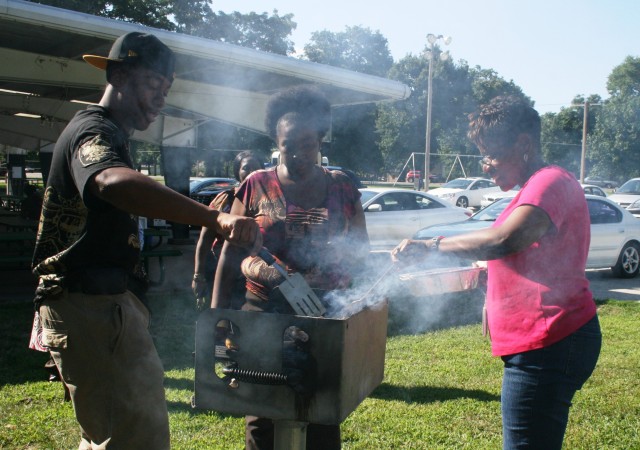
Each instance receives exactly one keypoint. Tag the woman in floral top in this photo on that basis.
(311, 220)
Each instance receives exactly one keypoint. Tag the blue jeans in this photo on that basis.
(538, 387)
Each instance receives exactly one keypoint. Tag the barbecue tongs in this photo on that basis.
(296, 290)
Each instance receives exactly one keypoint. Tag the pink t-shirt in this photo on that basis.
(541, 295)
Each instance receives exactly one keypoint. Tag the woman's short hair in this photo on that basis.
(305, 103)
(498, 123)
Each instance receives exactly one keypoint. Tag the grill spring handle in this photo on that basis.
(256, 377)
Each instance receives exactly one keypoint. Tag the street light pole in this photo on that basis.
(432, 39)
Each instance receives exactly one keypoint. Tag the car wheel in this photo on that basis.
(628, 261)
(463, 202)
(409, 180)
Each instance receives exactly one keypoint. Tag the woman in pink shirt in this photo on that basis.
(540, 311)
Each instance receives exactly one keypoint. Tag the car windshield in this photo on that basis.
(458, 183)
(366, 196)
(194, 183)
(491, 212)
(630, 187)
(199, 185)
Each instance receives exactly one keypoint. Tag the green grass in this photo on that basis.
(441, 389)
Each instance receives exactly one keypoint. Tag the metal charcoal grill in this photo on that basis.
(348, 356)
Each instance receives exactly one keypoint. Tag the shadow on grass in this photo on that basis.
(19, 364)
(182, 407)
(428, 394)
(184, 384)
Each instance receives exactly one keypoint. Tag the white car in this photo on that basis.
(396, 214)
(465, 192)
(628, 193)
(615, 233)
(490, 198)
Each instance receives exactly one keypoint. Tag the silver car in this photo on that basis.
(396, 214)
(615, 233)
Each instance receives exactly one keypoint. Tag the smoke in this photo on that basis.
(416, 293)
(438, 292)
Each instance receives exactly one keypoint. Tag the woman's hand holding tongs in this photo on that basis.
(410, 250)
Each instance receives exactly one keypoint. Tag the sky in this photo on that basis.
(553, 49)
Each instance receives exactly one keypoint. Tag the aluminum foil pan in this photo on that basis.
(442, 281)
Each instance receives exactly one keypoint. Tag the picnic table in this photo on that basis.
(17, 236)
(17, 223)
(151, 233)
(8, 213)
(17, 247)
(152, 250)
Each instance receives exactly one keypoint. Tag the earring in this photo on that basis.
(526, 157)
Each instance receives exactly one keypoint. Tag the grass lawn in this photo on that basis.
(441, 389)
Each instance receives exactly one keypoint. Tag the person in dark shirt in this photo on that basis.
(88, 246)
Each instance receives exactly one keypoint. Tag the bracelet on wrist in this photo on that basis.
(198, 277)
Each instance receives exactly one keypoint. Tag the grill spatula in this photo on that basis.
(296, 290)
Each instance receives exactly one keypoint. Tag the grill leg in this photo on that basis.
(289, 435)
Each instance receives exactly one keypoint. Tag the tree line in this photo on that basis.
(376, 140)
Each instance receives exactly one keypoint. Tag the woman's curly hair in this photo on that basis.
(304, 103)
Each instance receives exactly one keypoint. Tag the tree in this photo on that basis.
(562, 133)
(195, 17)
(154, 13)
(357, 48)
(625, 78)
(615, 142)
(257, 31)
(457, 91)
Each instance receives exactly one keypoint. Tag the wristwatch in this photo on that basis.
(435, 243)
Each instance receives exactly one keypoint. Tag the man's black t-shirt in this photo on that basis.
(77, 230)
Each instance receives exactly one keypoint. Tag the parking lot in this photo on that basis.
(605, 286)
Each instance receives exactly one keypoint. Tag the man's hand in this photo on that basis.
(240, 230)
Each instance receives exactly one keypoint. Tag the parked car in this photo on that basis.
(465, 192)
(488, 199)
(615, 233)
(350, 173)
(592, 189)
(412, 175)
(628, 193)
(598, 181)
(491, 197)
(396, 214)
(204, 189)
(416, 174)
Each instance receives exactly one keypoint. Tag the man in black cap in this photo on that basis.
(88, 249)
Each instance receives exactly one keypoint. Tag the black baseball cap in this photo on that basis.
(142, 48)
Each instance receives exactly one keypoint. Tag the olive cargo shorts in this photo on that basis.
(106, 356)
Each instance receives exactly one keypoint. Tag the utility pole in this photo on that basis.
(585, 121)
(584, 140)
